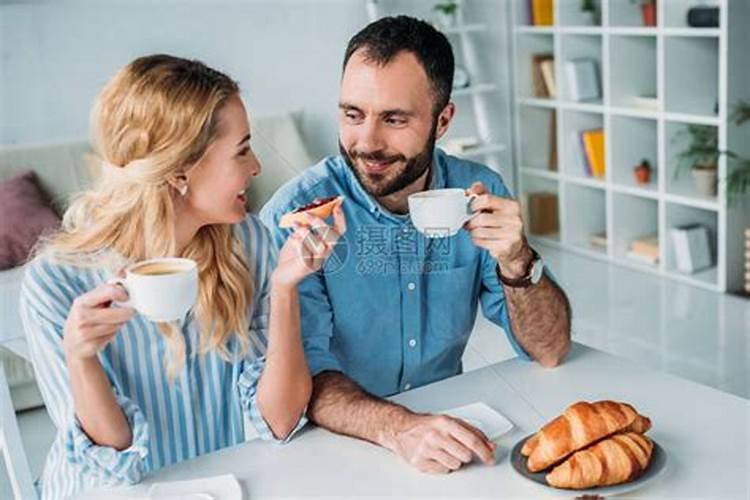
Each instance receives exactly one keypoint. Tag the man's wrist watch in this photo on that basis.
(533, 274)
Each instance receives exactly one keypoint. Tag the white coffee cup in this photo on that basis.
(440, 212)
(161, 289)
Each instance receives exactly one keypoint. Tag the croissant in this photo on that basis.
(617, 459)
(580, 425)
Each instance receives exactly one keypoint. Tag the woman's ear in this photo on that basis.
(180, 183)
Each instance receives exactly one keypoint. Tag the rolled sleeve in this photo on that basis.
(111, 466)
(248, 387)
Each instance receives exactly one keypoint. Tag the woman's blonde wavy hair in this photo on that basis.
(151, 122)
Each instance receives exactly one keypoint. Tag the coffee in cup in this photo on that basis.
(162, 289)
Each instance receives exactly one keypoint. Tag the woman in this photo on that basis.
(127, 395)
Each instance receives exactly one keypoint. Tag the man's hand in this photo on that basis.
(499, 229)
(438, 444)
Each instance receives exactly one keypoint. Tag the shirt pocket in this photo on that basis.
(452, 302)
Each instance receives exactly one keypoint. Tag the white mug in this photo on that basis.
(161, 289)
(440, 212)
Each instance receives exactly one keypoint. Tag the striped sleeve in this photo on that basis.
(262, 258)
(47, 295)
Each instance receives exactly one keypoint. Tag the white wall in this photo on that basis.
(286, 54)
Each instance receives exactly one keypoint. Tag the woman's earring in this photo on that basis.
(183, 189)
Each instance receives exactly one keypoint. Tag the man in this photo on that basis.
(393, 310)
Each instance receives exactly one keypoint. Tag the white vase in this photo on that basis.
(705, 181)
(446, 20)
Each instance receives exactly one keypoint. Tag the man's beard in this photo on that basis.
(379, 184)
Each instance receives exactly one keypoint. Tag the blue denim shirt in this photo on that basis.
(391, 309)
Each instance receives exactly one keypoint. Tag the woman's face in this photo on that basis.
(217, 182)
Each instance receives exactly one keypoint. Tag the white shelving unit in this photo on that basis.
(465, 46)
(697, 76)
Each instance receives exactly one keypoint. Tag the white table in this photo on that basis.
(704, 432)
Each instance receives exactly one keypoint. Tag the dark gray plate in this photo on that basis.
(655, 468)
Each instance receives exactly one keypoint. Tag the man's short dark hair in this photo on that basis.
(385, 38)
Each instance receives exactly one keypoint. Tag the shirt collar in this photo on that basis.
(437, 181)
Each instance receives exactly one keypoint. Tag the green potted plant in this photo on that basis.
(648, 11)
(446, 13)
(700, 156)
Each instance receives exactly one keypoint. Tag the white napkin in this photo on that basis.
(224, 487)
(483, 417)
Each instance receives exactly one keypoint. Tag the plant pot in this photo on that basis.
(591, 17)
(446, 20)
(642, 174)
(648, 12)
(705, 181)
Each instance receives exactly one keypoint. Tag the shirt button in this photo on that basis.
(412, 342)
(411, 286)
(405, 229)
(407, 387)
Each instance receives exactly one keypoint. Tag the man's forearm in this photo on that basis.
(540, 317)
(341, 406)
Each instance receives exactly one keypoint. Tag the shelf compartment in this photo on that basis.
(533, 184)
(579, 47)
(680, 215)
(573, 123)
(626, 14)
(585, 216)
(529, 45)
(632, 140)
(691, 65)
(538, 127)
(633, 218)
(633, 72)
(676, 140)
(570, 14)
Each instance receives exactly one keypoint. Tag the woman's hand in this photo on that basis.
(307, 249)
(92, 323)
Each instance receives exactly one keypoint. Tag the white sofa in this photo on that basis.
(62, 171)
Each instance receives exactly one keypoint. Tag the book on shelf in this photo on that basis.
(542, 12)
(692, 249)
(592, 144)
(539, 81)
(579, 156)
(599, 240)
(547, 67)
(645, 249)
(541, 212)
(582, 75)
(553, 142)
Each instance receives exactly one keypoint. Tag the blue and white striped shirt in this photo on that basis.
(203, 410)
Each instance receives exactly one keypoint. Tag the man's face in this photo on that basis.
(387, 129)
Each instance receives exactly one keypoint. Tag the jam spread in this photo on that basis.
(317, 202)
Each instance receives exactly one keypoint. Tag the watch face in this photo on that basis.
(536, 271)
